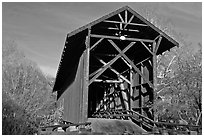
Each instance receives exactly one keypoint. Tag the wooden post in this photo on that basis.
(84, 111)
(141, 90)
(154, 79)
(131, 90)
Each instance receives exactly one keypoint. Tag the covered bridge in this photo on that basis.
(109, 65)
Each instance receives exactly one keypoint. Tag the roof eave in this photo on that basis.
(97, 21)
(152, 26)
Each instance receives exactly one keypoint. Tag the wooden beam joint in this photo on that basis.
(130, 62)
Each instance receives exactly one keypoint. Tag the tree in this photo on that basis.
(24, 85)
(15, 121)
(179, 75)
(185, 90)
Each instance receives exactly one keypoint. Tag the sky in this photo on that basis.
(40, 29)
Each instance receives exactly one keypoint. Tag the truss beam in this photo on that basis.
(126, 15)
(147, 47)
(96, 43)
(107, 81)
(131, 63)
(143, 61)
(101, 70)
(111, 28)
(157, 45)
(115, 71)
(121, 18)
(128, 23)
(118, 38)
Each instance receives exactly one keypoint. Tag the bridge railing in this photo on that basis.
(146, 122)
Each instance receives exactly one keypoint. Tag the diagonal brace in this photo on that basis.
(101, 70)
(121, 17)
(158, 44)
(96, 43)
(131, 63)
(104, 68)
(129, 21)
(147, 47)
(116, 72)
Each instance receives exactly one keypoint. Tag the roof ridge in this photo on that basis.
(98, 20)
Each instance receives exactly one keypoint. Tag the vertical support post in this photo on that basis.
(126, 16)
(84, 115)
(154, 79)
(131, 90)
(142, 90)
(105, 99)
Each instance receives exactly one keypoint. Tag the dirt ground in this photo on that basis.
(101, 126)
(115, 126)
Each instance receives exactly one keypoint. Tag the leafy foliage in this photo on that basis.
(26, 93)
(179, 76)
(180, 72)
(14, 119)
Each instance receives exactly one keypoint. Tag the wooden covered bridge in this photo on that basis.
(108, 69)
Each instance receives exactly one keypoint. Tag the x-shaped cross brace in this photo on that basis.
(131, 63)
(105, 67)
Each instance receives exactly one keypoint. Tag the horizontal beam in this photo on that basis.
(175, 124)
(118, 38)
(128, 23)
(111, 28)
(106, 55)
(107, 81)
(113, 115)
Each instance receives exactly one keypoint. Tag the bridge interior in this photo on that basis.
(114, 60)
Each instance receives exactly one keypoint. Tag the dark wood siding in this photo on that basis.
(73, 96)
